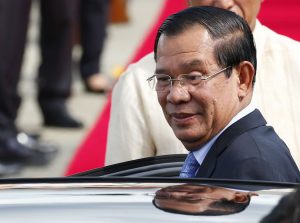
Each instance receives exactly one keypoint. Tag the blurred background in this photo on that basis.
(123, 37)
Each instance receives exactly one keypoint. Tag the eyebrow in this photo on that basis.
(184, 66)
(195, 62)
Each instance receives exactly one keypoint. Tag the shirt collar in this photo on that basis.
(201, 153)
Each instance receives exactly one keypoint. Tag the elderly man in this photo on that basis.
(140, 126)
(204, 78)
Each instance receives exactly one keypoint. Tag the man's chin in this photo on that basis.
(190, 142)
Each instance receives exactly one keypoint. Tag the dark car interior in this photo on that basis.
(158, 166)
(166, 168)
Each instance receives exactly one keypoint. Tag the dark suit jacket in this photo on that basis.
(250, 150)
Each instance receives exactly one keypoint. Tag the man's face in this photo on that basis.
(199, 114)
(191, 198)
(248, 9)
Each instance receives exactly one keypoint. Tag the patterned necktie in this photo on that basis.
(189, 167)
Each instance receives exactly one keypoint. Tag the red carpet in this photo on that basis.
(91, 152)
(281, 16)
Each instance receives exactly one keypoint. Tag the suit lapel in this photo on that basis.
(250, 121)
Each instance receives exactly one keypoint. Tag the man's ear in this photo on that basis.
(241, 197)
(246, 74)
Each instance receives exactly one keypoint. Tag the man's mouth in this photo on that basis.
(182, 118)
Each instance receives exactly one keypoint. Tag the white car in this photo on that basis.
(127, 192)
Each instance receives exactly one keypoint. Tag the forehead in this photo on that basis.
(248, 9)
(193, 43)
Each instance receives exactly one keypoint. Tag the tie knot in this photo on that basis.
(189, 167)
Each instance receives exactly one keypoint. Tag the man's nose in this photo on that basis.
(224, 4)
(178, 93)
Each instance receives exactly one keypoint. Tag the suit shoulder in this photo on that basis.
(260, 142)
(259, 154)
